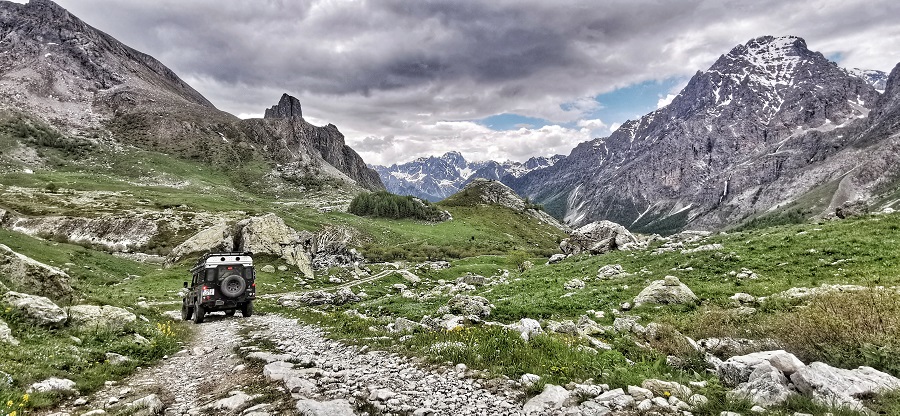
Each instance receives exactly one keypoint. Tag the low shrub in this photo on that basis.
(846, 329)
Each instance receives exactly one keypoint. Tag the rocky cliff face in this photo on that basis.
(60, 70)
(761, 114)
(287, 107)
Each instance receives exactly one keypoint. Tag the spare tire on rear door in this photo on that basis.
(233, 286)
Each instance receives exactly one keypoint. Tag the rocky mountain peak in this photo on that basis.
(287, 107)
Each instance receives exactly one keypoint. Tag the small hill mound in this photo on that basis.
(490, 192)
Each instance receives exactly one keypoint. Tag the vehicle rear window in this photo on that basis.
(228, 270)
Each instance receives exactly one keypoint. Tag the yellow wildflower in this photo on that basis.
(9, 403)
(667, 394)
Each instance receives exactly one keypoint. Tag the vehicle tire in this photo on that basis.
(247, 309)
(199, 314)
(233, 286)
(186, 311)
(229, 312)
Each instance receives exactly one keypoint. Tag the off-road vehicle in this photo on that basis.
(221, 282)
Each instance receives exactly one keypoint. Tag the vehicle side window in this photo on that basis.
(210, 275)
(249, 273)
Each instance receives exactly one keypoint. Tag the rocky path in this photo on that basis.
(230, 358)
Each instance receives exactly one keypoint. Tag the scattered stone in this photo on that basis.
(6, 334)
(237, 401)
(529, 379)
(470, 305)
(667, 388)
(565, 327)
(610, 271)
(574, 284)
(706, 247)
(339, 407)
(148, 405)
(268, 268)
(527, 328)
(556, 258)
(639, 393)
(116, 359)
(36, 309)
(472, 279)
(668, 291)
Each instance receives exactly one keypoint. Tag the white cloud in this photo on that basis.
(664, 101)
(593, 124)
(398, 68)
(473, 140)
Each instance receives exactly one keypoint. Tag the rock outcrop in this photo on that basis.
(490, 192)
(287, 107)
(598, 238)
(23, 273)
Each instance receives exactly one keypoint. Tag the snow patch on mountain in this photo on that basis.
(435, 178)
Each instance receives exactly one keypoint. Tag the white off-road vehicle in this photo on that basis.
(220, 282)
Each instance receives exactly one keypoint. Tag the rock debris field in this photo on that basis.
(218, 372)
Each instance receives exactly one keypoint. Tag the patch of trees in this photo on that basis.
(383, 204)
(44, 136)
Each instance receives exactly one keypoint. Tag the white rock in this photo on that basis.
(339, 407)
(668, 291)
(6, 334)
(835, 386)
(737, 370)
(36, 309)
(639, 393)
(766, 386)
(108, 317)
(527, 327)
(552, 397)
(529, 379)
(52, 384)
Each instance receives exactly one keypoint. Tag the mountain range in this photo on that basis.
(435, 178)
(771, 129)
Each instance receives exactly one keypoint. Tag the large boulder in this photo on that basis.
(668, 291)
(598, 238)
(26, 274)
(106, 317)
(266, 234)
(215, 238)
(52, 384)
(839, 387)
(36, 309)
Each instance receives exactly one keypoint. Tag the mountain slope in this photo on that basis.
(435, 178)
(56, 69)
(757, 116)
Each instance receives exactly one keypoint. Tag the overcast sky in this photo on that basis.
(493, 79)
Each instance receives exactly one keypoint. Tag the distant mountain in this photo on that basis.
(877, 79)
(767, 124)
(435, 178)
(58, 70)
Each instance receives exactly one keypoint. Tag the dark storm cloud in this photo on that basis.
(392, 68)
